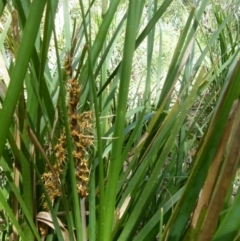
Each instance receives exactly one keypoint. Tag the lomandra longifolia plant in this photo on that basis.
(119, 120)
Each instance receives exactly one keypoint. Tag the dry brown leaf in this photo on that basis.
(46, 218)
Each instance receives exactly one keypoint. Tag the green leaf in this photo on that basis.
(116, 161)
(19, 71)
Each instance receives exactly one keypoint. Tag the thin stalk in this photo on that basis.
(99, 135)
(83, 217)
(161, 224)
(103, 128)
(27, 171)
(150, 43)
(159, 67)
(76, 206)
(15, 204)
(92, 206)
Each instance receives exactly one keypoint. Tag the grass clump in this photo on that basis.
(112, 131)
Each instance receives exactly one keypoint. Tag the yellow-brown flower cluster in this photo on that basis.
(80, 126)
(52, 180)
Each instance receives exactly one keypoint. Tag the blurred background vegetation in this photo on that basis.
(119, 120)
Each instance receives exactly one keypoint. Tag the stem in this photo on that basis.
(83, 217)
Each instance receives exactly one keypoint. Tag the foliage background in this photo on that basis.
(117, 115)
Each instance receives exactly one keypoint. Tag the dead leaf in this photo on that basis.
(46, 218)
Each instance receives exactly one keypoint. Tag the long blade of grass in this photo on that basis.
(152, 182)
(24, 207)
(19, 71)
(99, 40)
(116, 161)
(141, 37)
(206, 153)
(153, 222)
(224, 178)
(39, 66)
